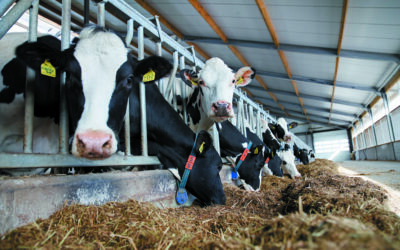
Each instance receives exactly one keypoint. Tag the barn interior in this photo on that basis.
(330, 67)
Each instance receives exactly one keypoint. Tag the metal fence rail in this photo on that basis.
(145, 27)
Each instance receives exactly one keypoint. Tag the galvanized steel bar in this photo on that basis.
(216, 138)
(388, 115)
(160, 83)
(251, 117)
(258, 130)
(183, 89)
(171, 80)
(30, 84)
(371, 116)
(142, 91)
(127, 127)
(5, 5)
(101, 11)
(66, 160)
(152, 29)
(86, 12)
(65, 43)
(8, 20)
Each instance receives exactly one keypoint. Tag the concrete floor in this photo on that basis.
(383, 173)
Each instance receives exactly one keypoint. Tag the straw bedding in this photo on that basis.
(321, 211)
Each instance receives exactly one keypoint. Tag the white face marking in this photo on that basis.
(290, 167)
(100, 55)
(217, 77)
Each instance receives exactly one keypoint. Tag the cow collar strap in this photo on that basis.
(181, 194)
(242, 158)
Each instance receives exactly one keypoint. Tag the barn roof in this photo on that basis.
(318, 61)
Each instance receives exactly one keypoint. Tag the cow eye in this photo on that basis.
(233, 81)
(201, 82)
(129, 80)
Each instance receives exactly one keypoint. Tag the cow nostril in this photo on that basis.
(107, 144)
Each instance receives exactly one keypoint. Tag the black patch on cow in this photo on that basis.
(193, 108)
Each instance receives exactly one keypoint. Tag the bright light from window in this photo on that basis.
(332, 146)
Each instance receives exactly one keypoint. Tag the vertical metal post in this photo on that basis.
(65, 42)
(388, 115)
(101, 9)
(171, 80)
(362, 133)
(251, 117)
(86, 12)
(127, 127)
(142, 91)
(176, 61)
(258, 131)
(183, 89)
(30, 84)
(372, 125)
(216, 138)
(160, 82)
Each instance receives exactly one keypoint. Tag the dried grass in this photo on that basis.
(335, 212)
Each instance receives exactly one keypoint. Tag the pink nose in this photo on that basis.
(297, 176)
(221, 108)
(94, 144)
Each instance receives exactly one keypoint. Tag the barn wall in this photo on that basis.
(384, 152)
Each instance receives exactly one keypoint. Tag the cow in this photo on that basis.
(280, 130)
(101, 76)
(212, 92)
(232, 144)
(285, 154)
(301, 154)
(171, 140)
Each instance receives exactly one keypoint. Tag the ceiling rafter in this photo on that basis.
(342, 26)
(264, 12)
(203, 12)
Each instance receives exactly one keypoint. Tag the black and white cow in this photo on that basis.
(211, 95)
(101, 76)
(283, 151)
(172, 140)
(301, 154)
(233, 143)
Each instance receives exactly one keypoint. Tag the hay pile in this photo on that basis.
(335, 211)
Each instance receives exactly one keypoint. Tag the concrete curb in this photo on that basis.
(26, 199)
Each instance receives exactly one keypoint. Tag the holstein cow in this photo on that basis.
(283, 152)
(101, 75)
(172, 140)
(232, 144)
(301, 154)
(211, 99)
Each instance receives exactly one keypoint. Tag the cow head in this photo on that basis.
(288, 166)
(204, 182)
(99, 77)
(283, 124)
(217, 82)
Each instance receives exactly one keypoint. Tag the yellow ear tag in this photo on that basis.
(149, 76)
(47, 69)
(201, 148)
(240, 81)
(256, 151)
(194, 83)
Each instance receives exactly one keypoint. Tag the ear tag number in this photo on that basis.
(149, 76)
(47, 69)
(240, 81)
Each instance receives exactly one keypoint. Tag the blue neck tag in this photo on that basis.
(242, 158)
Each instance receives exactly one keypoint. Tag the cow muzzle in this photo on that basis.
(94, 144)
(222, 109)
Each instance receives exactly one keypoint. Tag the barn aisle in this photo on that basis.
(383, 173)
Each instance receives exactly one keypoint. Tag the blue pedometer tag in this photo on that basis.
(234, 175)
(181, 196)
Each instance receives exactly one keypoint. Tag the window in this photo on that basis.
(393, 95)
(378, 110)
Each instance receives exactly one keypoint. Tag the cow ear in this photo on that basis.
(244, 76)
(190, 77)
(152, 69)
(203, 143)
(37, 53)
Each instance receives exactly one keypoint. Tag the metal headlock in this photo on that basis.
(146, 27)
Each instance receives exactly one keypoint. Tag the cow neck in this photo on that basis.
(242, 158)
(181, 195)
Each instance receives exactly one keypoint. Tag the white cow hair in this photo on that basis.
(100, 55)
(290, 166)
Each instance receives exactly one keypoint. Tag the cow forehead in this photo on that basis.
(215, 72)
